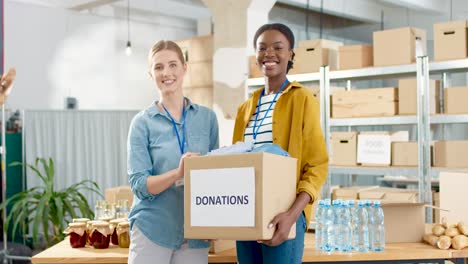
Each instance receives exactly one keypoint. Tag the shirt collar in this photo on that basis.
(291, 85)
(153, 110)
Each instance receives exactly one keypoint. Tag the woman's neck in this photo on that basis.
(273, 84)
(173, 103)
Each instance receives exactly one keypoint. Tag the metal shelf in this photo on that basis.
(449, 119)
(405, 181)
(374, 72)
(371, 121)
(378, 171)
(303, 77)
(449, 66)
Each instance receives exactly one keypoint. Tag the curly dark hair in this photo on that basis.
(283, 29)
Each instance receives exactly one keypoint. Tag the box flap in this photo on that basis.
(320, 43)
(343, 135)
(451, 25)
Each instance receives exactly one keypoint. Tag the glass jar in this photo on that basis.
(113, 229)
(89, 229)
(78, 234)
(123, 233)
(100, 235)
(99, 209)
(123, 209)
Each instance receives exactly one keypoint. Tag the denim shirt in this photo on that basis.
(153, 149)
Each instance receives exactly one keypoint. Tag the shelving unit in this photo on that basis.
(423, 120)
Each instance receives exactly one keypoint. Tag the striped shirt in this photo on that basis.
(264, 129)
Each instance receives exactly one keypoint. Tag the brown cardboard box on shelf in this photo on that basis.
(365, 102)
(397, 46)
(236, 196)
(312, 54)
(356, 56)
(254, 70)
(407, 96)
(200, 95)
(350, 193)
(199, 74)
(404, 222)
(455, 100)
(451, 40)
(389, 195)
(404, 154)
(343, 148)
(222, 245)
(451, 154)
(374, 147)
(119, 193)
(197, 49)
(452, 196)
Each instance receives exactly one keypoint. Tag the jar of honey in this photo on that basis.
(123, 233)
(113, 229)
(78, 234)
(100, 235)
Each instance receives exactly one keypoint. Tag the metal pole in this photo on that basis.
(424, 136)
(325, 120)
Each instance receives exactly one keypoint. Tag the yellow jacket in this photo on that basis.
(296, 129)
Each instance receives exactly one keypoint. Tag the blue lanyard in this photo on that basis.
(255, 131)
(181, 142)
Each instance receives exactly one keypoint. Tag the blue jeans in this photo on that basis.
(289, 252)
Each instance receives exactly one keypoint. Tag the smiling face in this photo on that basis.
(167, 71)
(273, 51)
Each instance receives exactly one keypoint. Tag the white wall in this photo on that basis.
(59, 53)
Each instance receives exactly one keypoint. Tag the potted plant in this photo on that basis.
(46, 208)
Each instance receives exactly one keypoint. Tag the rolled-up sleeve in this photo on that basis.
(139, 165)
(314, 163)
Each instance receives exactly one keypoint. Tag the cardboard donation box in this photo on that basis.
(356, 56)
(350, 193)
(452, 154)
(407, 96)
(389, 195)
(365, 103)
(404, 222)
(119, 193)
(236, 196)
(451, 40)
(404, 153)
(453, 196)
(374, 147)
(455, 100)
(397, 46)
(343, 148)
(312, 54)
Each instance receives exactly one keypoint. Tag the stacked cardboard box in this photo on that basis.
(374, 148)
(455, 99)
(365, 103)
(451, 154)
(451, 40)
(198, 81)
(397, 46)
(119, 193)
(356, 56)
(407, 96)
(405, 153)
(343, 148)
(312, 54)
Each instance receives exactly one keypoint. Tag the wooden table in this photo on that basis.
(393, 253)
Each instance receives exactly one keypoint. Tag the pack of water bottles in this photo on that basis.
(349, 225)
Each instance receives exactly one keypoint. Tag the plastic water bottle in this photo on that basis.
(378, 228)
(361, 228)
(352, 213)
(370, 214)
(344, 243)
(337, 214)
(319, 224)
(328, 229)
